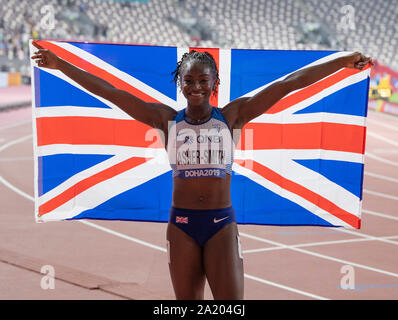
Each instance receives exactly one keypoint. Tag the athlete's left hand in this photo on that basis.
(357, 60)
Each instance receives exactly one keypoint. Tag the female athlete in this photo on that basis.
(202, 235)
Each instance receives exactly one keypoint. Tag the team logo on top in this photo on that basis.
(188, 139)
(216, 126)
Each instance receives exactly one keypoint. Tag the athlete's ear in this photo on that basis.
(215, 87)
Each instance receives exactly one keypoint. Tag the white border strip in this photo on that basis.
(33, 64)
(225, 77)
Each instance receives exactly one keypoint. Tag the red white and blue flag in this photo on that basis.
(300, 163)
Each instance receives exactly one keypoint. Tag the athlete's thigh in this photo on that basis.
(223, 264)
(185, 264)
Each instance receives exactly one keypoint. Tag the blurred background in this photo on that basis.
(369, 26)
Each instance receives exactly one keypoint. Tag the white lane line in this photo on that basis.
(123, 236)
(382, 215)
(150, 245)
(15, 125)
(310, 244)
(385, 151)
(15, 189)
(379, 194)
(380, 137)
(386, 161)
(318, 255)
(11, 143)
(12, 159)
(379, 176)
(322, 243)
(381, 123)
(285, 287)
(367, 236)
(378, 114)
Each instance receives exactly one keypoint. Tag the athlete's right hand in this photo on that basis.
(45, 58)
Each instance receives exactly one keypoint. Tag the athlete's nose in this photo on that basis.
(196, 85)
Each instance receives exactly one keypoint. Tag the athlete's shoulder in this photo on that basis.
(166, 114)
(231, 112)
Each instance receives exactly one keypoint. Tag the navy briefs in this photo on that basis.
(201, 225)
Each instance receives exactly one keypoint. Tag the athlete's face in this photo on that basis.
(197, 82)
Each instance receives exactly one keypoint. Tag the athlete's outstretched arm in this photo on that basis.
(246, 109)
(152, 114)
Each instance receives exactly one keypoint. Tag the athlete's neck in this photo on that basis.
(198, 113)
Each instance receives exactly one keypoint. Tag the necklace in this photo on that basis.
(198, 120)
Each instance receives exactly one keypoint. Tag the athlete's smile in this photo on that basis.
(197, 83)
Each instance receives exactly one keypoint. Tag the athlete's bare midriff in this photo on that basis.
(202, 193)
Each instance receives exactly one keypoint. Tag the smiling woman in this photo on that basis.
(197, 76)
(202, 235)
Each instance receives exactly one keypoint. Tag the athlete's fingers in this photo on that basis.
(38, 46)
(42, 51)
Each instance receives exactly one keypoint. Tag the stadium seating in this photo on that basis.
(254, 24)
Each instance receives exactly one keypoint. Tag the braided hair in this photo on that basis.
(202, 57)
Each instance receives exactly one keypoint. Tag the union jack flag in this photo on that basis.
(302, 165)
(181, 219)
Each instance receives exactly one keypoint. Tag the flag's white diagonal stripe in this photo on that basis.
(290, 196)
(355, 78)
(162, 98)
(81, 175)
(114, 108)
(311, 180)
(107, 189)
(159, 154)
(288, 116)
(319, 61)
(53, 149)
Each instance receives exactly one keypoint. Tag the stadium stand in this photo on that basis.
(252, 24)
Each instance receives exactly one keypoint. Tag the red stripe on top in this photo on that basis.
(92, 130)
(313, 89)
(87, 183)
(215, 52)
(303, 192)
(320, 135)
(93, 69)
